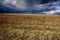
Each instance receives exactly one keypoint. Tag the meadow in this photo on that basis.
(29, 27)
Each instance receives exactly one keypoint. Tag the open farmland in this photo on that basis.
(29, 27)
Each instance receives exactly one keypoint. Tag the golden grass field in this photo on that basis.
(29, 27)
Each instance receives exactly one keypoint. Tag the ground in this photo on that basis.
(29, 27)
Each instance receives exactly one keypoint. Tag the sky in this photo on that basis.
(29, 6)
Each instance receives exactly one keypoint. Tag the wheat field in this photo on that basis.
(29, 27)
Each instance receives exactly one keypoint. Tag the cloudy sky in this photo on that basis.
(32, 6)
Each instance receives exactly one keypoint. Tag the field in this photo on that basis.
(29, 27)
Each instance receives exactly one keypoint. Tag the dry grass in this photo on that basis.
(29, 27)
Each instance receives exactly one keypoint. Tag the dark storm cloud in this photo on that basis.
(32, 6)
